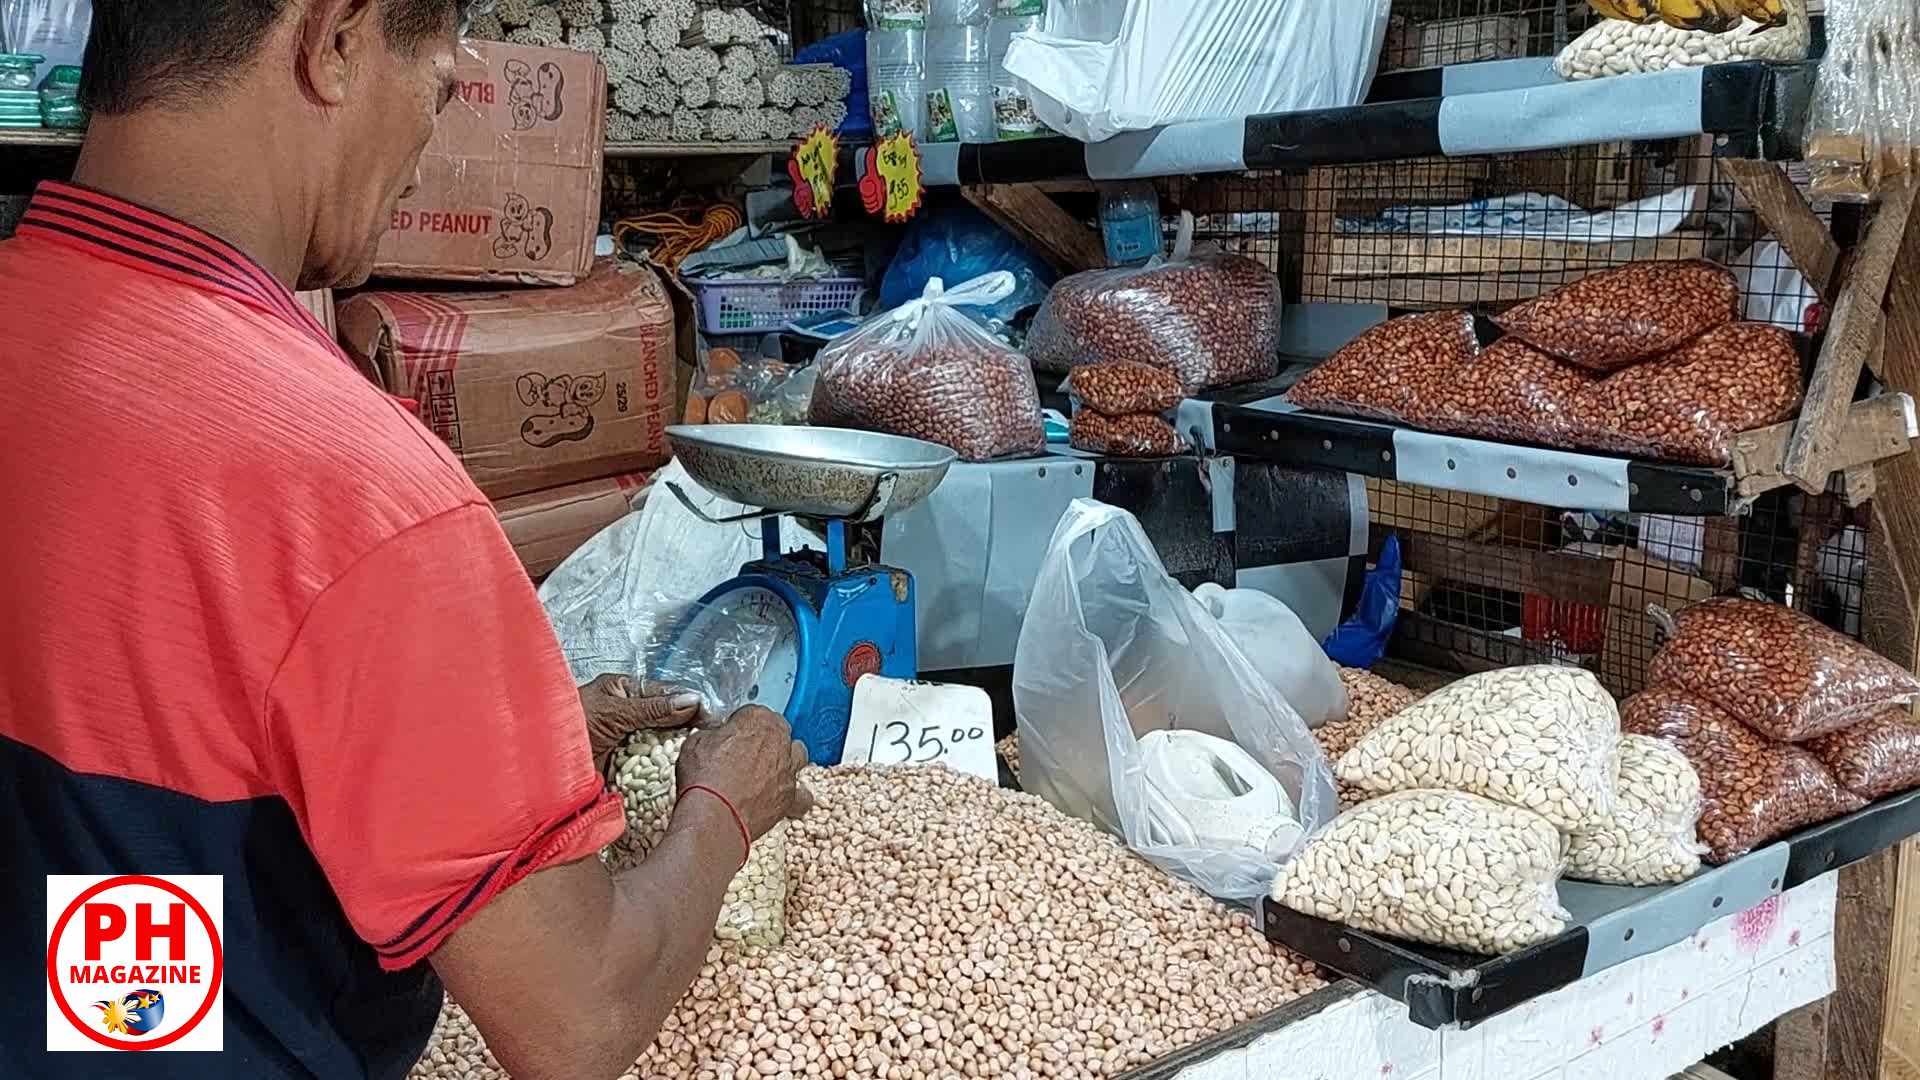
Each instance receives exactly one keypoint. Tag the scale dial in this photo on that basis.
(742, 648)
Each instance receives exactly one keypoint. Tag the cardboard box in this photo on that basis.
(547, 526)
(320, 302)
(510, 184)
(532, 388)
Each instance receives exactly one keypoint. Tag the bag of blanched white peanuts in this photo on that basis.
(642, 772)
(1441, 867)
(1541, 737)
(1651, 837)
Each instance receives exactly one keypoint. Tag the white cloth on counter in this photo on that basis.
(637, 576)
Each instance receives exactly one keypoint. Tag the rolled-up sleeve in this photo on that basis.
(425, 731)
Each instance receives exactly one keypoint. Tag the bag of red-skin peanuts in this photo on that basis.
(1617, 317)
(1781, 673)
(1874, 758)
(1210, 319)
(1752, 789)
(1137, 435)
(927, 371)
(1401, 371)
(1123, 388)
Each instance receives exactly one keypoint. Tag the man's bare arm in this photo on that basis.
(570, 973)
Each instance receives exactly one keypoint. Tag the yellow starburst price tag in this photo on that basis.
(891, 187)
(811, 167)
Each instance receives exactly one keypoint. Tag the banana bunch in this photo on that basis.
(1713, 16)
(1768, 13)
(1633, 11)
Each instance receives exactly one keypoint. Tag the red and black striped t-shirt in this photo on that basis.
(255, 621)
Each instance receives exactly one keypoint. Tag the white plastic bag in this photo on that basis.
(1279, 645)
(1095, 68)
(1113, 648)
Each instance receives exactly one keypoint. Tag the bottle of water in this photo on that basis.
(1130, 222)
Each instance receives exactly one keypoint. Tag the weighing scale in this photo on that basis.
(795, 630)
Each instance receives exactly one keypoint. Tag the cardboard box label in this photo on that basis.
(510, 183)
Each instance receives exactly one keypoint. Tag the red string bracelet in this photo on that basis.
(745, 836)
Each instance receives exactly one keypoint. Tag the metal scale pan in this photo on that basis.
(817, 472)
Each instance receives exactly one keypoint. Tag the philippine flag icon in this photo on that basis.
(138, 1013)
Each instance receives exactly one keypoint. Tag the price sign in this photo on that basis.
(902, 722)
(891, 187)
(812, 167)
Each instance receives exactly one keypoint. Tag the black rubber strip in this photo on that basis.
(1384, 132)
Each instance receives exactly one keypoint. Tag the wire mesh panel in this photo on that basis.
(1430, 33)
(1484, 233)
(1489, 582)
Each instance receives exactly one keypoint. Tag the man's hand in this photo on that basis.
(752, 759)
(617, 704)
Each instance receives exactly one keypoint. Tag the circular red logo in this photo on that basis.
(862, 659)
(60, 989)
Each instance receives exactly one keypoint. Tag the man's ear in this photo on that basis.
(335, 41)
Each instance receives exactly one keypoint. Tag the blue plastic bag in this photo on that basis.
(958, 243)
(1362, 640)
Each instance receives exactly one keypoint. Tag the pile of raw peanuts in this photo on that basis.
(940, 926)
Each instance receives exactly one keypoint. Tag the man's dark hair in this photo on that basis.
(144, 52)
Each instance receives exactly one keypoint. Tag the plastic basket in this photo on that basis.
(745, 305)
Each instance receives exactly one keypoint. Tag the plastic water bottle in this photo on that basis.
(1130, 222)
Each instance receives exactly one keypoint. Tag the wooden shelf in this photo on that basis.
(47, 137)
(41, 137)
(745, 147)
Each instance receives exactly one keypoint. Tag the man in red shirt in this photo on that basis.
(255, 621)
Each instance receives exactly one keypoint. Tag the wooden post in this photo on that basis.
(1850, 337)
(1038, 222)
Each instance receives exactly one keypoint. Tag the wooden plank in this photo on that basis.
(1856, 315)
(1800, 1043)
(1900, 1029)
(1067, 244)
(1788, 216)
(1372, 255)
(1557, 575)
(1874, 429)
(1895, 630)
(1862, 931)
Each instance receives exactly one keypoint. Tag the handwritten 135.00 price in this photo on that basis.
(917, 745)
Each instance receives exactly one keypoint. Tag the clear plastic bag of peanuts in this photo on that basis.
(1400, 371)
(642, 773)
(1123, 388)
(1781, 673)
(927, 371)
(1542, 737)
(1210, 319)
(1689, 404)
(1651, 837)
(1874, 758)
(1751, 788)
(1511, 391)
(1609, 320)
(1437, 866)
(1137, 435)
